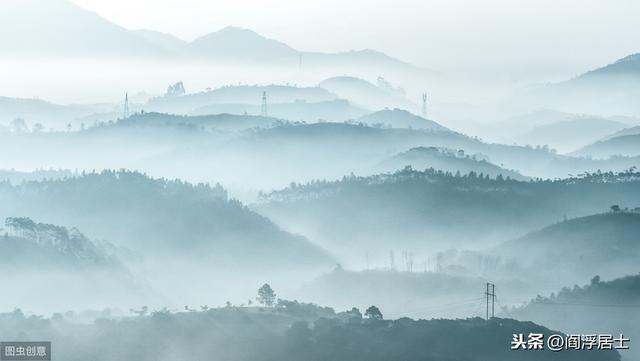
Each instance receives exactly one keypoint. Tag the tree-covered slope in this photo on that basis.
(432, 209)
(158, 215)
(607, 244)
(625, 145)
(605, 307)
(29, 244)
(447, 160)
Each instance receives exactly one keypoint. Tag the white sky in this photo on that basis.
(554, 36)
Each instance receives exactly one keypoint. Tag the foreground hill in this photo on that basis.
(158, 216)
(607, 307)
(406, 289)
(430, 210)
(290, 332)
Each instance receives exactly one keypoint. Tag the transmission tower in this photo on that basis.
(424, 105)
(126, 106)
(263, 108)
(491, 297)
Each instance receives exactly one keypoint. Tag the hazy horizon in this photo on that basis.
(449, 36)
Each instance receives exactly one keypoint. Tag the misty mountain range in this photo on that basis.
(225, 225)
(167, 183)
(51, 28)
(257, 146)
(603, 244)
(420, 209)
(624, 145)
(611, 87)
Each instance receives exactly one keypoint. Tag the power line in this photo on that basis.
(439, 307)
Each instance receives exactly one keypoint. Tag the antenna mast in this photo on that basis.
(263, 108)
(424, 105)
(126, 106)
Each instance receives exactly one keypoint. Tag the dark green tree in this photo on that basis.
(266, 295)
(373, 313)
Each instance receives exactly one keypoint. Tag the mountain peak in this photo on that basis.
(243, 44)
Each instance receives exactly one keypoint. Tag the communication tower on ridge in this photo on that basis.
(424, 105)
(263, 108)
(125, 113)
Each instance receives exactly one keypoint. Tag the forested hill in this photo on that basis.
(607, 244)
(289, 332)
(16, 177)
(242, 94)
(446, 160)
(36, 259)
(158, 215)
(607, 307)
(398, 118)
(30, 245)
(624, 291)
(427, 209)
(625, 145)
(224, 122)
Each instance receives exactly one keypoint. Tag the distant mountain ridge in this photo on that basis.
(622, 145)
(614, 87)
(571, 134)
(629, 65)
(241, 94)
(398, 118)
(23, 23)
(59, 27)
(364, 93)
(626, 131)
